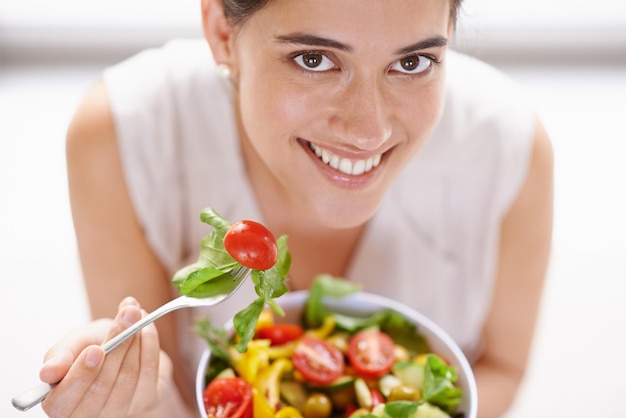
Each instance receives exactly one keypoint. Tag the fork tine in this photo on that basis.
(240, 273)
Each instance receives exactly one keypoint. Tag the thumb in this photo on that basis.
(62, 355)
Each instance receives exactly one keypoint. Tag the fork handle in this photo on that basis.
(26, 400)
(170, 306)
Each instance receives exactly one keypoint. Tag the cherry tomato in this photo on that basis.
(280, 333)
(251, 245)
(318, 361)
(229, 397)
(371, 353)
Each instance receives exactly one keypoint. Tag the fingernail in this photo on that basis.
(93, 356)
(52, 361)
(130, 316)
(129, 301)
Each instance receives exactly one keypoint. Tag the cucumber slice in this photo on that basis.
(227, 372)
(410, 373)
(340, 383)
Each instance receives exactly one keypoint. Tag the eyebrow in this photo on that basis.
(434, 42)
(312, 40)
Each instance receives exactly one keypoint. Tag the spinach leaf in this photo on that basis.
(324, 285)
(404, 333)
(400, 409)
(439, 386)
(245, 323)
(213, 262)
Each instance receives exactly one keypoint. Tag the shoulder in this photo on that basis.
(164, 96)
(175, 56)
(91, 129)
(177, 67)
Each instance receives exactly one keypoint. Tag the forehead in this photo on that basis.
(354, 21)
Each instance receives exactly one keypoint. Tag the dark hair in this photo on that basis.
(238, 11)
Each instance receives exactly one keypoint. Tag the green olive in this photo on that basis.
(340, 398)
(317, 405)
(403, 393)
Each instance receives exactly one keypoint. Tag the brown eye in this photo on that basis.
(314, 61)
(413, 64)
(409, 63)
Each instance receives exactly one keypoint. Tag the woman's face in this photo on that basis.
(335, 97)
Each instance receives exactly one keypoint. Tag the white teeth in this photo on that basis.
(345, 165)
(358, 167)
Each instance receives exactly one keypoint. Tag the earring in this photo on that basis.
(224, 71)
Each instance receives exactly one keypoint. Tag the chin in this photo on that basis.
(344, 213)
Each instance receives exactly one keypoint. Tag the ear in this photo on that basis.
(217, 31)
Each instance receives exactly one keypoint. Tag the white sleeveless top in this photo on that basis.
(432, 244)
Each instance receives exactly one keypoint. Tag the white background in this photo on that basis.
(570, 55)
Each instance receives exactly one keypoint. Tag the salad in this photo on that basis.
(328, 365)
(230, 246)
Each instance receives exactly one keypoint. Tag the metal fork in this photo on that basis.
(35, 395)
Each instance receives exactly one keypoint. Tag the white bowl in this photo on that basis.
(363, 303)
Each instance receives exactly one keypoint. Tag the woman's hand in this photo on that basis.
(129, 380)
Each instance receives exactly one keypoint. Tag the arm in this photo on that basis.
(524, 253)
(116, 259)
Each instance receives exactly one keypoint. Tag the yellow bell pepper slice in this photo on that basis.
(249, 364)
(283, 350)
(421, 359)
(287, 412)
(266, 319)
(260, 405)
(268, 380)
(327, 327)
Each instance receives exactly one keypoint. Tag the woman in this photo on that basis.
(385, 158)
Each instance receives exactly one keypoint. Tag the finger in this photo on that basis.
(148, 390)
(121, 323)
(99, 393)
(125, 385)
(64, 397)
(60, 357)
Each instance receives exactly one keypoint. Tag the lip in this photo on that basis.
(339, 178)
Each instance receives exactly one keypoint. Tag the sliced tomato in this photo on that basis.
(350, 408)
(251, 244)
(280, 333)
(371, 353)
(318, 361)
(377, 398)
(228, 397)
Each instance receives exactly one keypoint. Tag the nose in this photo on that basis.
(363, 115)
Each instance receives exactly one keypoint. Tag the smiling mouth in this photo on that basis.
(346, 165)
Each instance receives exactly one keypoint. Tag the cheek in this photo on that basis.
(421, 113)
(271, 109)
